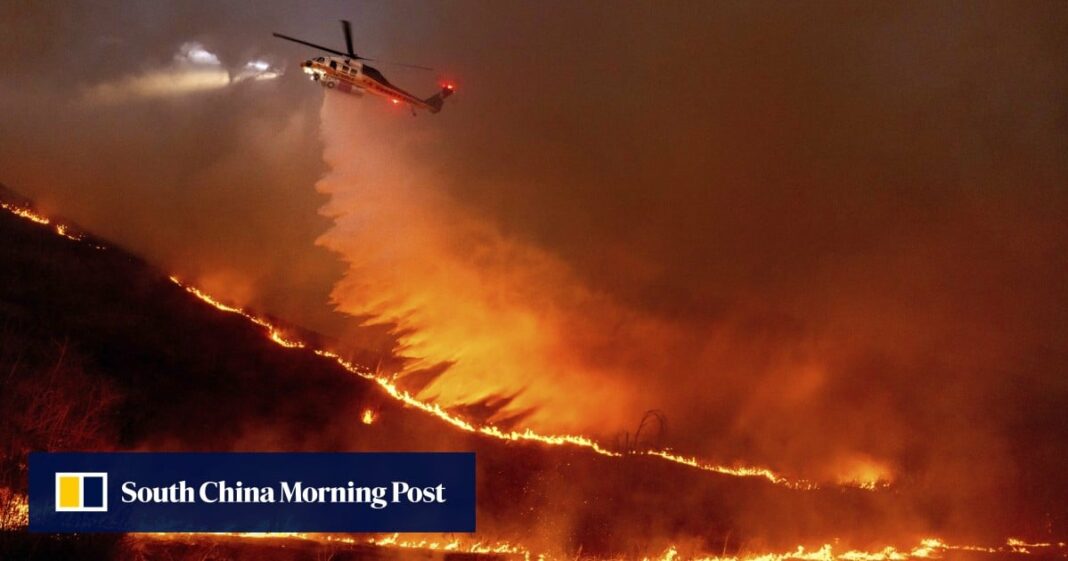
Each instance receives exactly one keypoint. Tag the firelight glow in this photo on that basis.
(929, 548)
(278, 336)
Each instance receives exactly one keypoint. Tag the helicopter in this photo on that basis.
(346, 73)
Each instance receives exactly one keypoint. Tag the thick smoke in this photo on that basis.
(155, 126)
(818, 242)
(501, 314)
(828, 239)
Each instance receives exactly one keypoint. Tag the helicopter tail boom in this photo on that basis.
(437, 100)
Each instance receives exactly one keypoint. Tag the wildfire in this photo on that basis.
(491, 430)
(1020, 546)
(736, 471)
(32, 216)
(863, 471)
(273, 332)
(392, 541)
(15, 511)
(456, 545)
(277, 335)
(928, 548)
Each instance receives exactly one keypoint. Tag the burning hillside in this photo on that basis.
(696, 281)
(130, 358)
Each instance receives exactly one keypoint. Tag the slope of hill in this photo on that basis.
(100, 351)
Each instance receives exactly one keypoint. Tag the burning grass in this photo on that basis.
(618, 509)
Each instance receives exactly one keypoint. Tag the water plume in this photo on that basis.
(504, 316)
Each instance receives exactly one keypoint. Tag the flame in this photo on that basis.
(1021, 546)
(387, 384)
(735, 471)
(368, 417)
(278, 335)
(17, 517)
(530, 435)
(14, 510)
(32, 216)
(866, 476)
(390, 541)
(864, 472)
(275, 334)
(500, 322)
(928, 548)
(455, 545)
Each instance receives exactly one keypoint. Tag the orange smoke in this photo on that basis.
(505, 315)
(509, 334)
(368, 416)
(505, 331)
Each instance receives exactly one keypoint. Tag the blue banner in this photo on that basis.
(252, 492)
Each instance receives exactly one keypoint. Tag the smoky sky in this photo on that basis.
(828, 234)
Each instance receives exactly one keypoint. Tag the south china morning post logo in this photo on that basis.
(225, 492)
(252, 492)
(81, 492)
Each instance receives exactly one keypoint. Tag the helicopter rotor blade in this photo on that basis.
(416, 66)
(313, 45)
(346, 27)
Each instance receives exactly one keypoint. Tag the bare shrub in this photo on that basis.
(48, 402)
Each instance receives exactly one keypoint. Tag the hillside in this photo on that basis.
(100, 351)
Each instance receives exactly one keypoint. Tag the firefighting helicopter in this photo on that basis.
(346, 74)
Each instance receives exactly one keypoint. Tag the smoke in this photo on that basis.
(165, 129)
(827, 241)
(501, 314)
(795, 236)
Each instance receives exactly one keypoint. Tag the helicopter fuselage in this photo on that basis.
(350, 76)
(347, 74)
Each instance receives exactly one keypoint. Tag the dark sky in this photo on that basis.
(826, 237)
